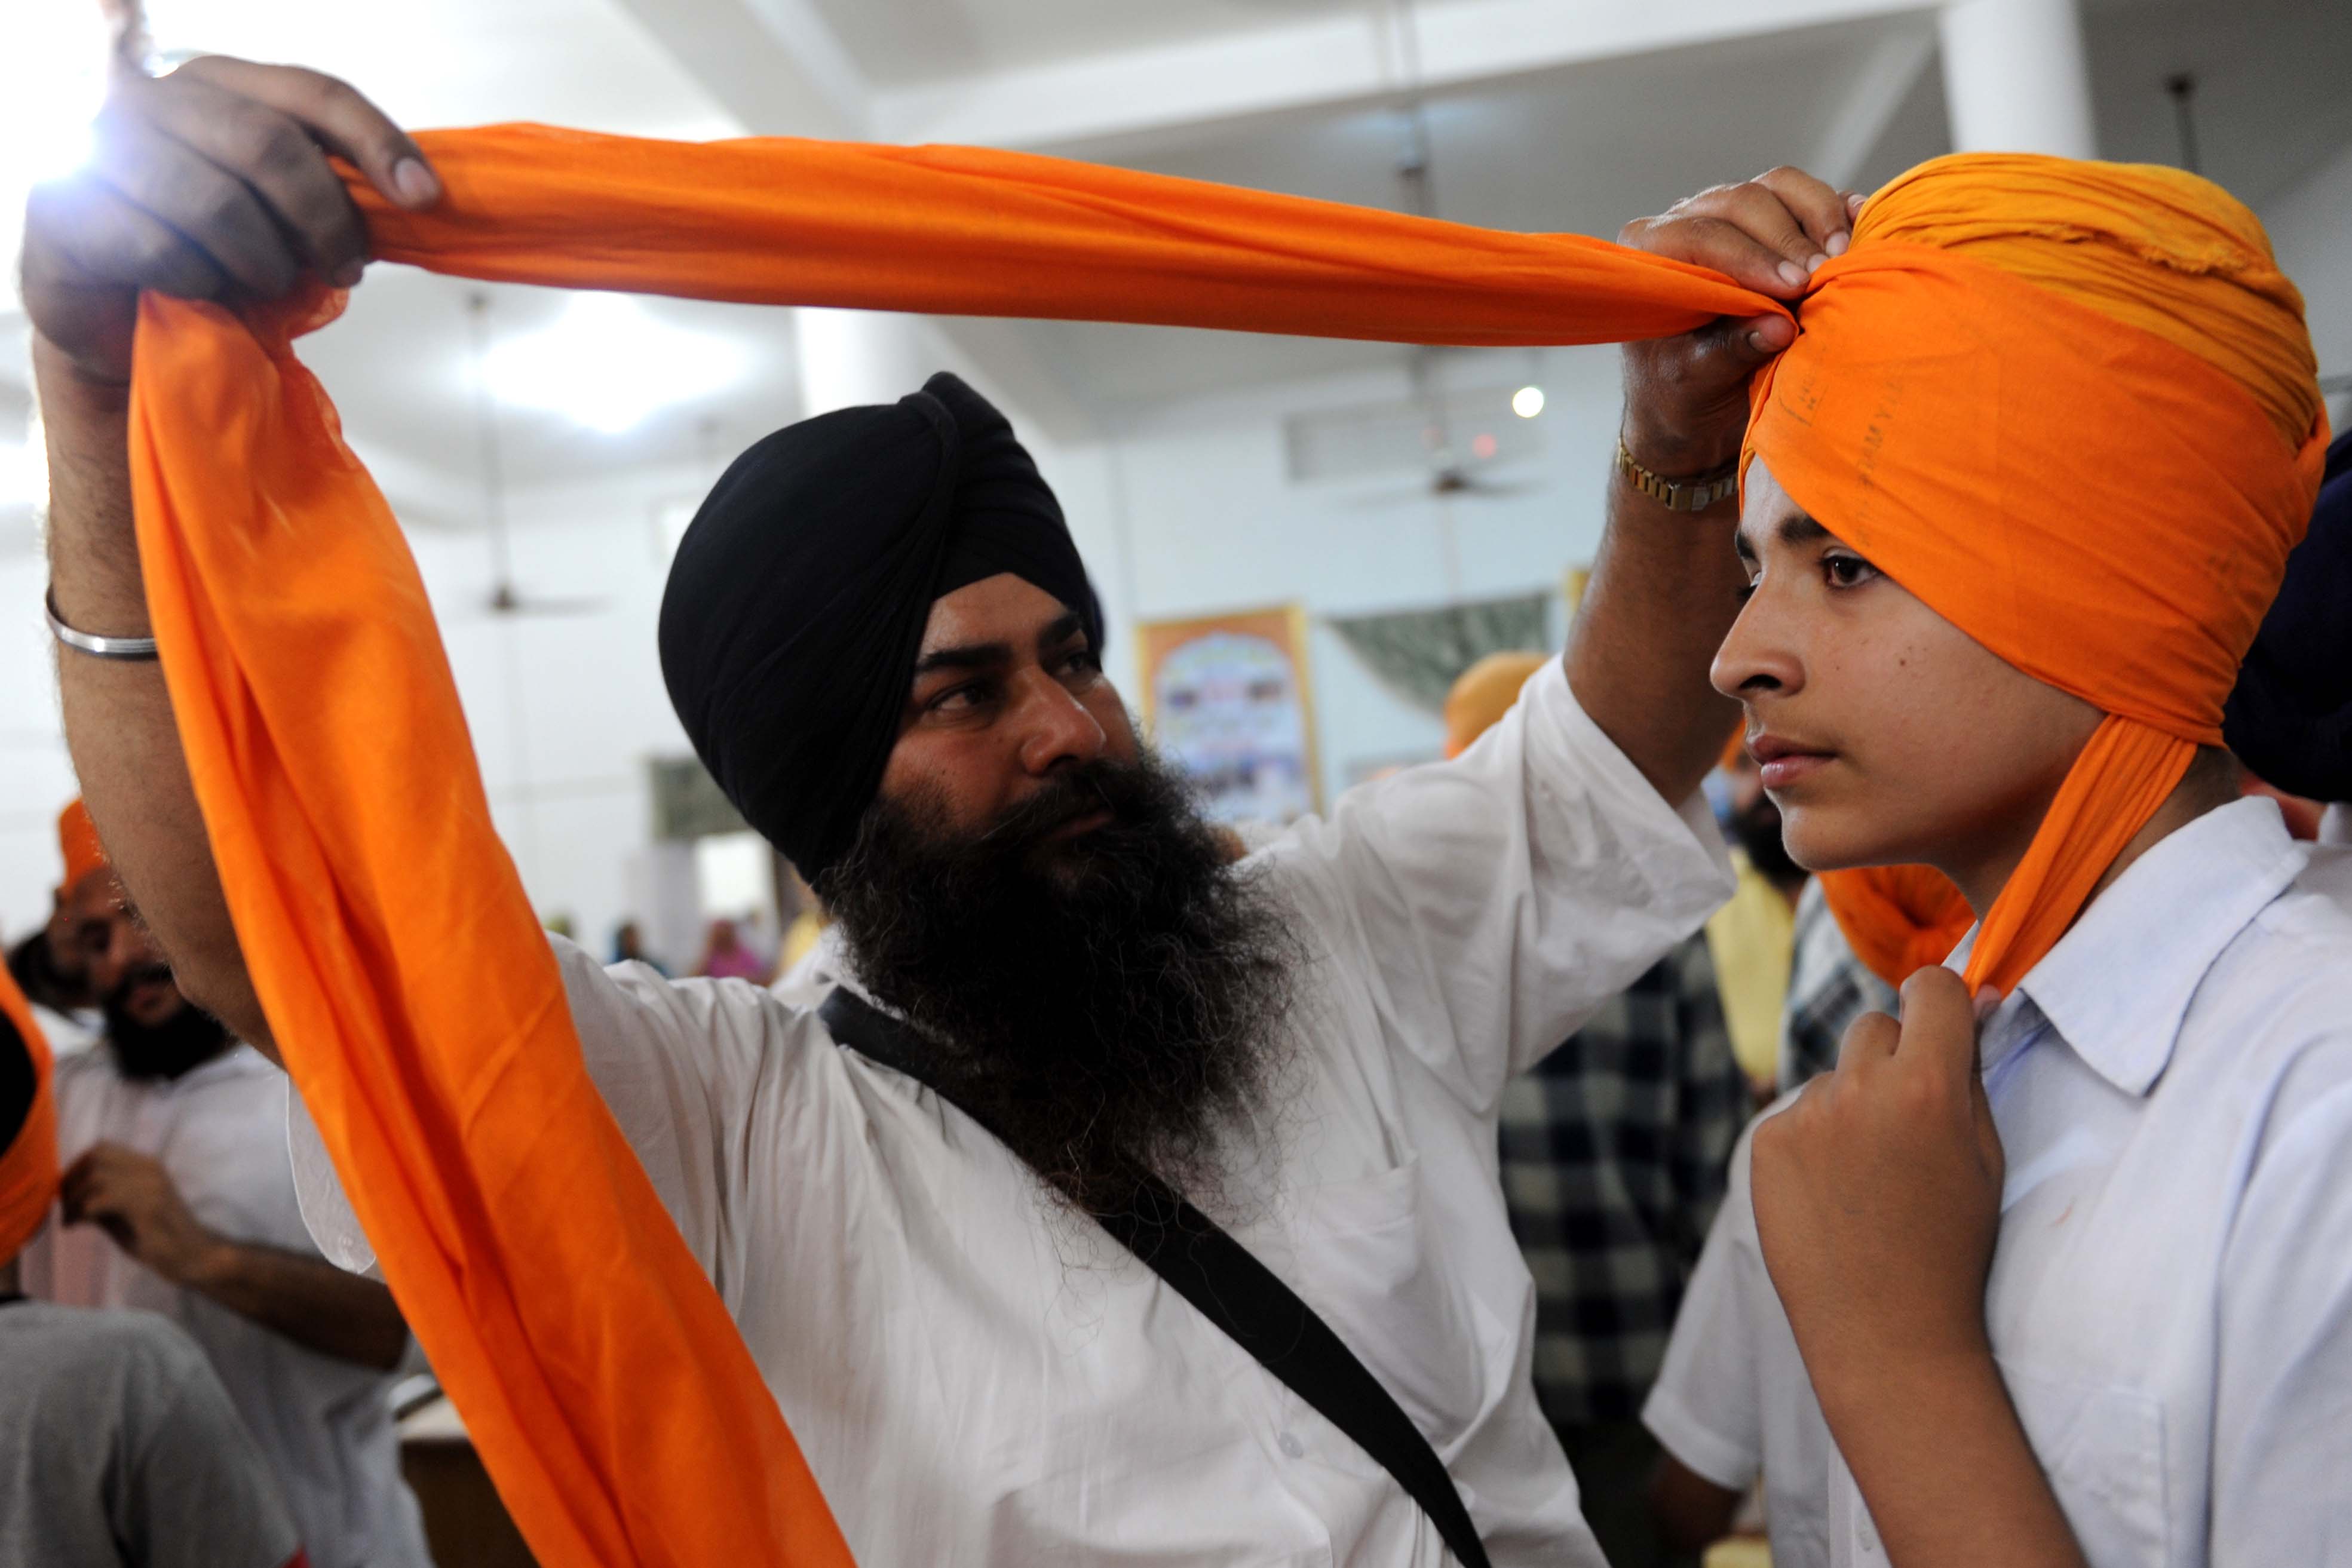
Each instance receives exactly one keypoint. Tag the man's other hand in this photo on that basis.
(1686, 397)
(131, 1198)
(1878, 1195)
(209, 184)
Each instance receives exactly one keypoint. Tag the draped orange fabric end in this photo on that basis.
(2073, 407)
(28, 1163)
(393, 946)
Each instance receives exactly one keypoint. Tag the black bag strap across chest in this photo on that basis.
(1232, 1289)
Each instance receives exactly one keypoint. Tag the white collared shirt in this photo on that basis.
(324, 1424)
(2171, 1294)
(976, 1378)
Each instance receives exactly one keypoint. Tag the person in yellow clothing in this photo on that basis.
(1753, 938)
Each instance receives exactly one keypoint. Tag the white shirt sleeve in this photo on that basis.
(2282, 1401)
(1499, 898)
(679, 1063)
(1707, 1406)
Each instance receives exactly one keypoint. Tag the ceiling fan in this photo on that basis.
(504, 598)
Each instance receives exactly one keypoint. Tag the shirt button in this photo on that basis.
(1291, 1446)
(1866, 1534)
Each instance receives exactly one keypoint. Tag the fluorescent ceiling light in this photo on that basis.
(607, 363)
(1528, 401)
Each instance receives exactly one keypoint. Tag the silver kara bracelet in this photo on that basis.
(95, 646)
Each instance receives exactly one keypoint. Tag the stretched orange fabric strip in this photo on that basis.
(29, 1163)
(402, 971)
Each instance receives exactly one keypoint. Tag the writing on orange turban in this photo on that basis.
(2073, 407)
(29, 1122)
(77, 843)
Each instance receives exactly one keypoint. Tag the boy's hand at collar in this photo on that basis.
(1877, 1204)
(1879, 1191)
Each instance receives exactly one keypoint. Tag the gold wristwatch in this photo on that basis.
(1696, 494)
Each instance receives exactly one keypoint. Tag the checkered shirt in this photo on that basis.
(1829, 987)
(1615, 1150)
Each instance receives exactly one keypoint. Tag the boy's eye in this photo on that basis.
(1847, 571)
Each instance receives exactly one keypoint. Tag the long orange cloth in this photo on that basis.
(391, 944)
(2073, 407)
(28, 1163)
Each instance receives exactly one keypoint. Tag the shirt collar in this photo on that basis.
(2118, 984)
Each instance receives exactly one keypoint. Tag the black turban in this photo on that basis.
(796, 606)
(2290, 717)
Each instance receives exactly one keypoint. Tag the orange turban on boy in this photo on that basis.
(2073, 407)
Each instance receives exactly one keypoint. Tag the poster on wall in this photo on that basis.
(1227, 701)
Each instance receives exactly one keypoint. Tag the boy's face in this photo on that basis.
(1888, 734)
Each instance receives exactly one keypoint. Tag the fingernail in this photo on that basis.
(1815, 262)
(349, 275)
(413, 182)
(1791, 273)
(1837, 245)
(1853, 204)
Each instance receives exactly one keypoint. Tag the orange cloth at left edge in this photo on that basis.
(406, 981)
(28, 1162)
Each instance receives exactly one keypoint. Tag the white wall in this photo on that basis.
(2311, 230)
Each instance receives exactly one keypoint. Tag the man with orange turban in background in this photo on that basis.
(119, 1449)
(51, 966)
(2015, 503)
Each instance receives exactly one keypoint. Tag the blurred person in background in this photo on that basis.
(725, 956)
(628, 947)
(1753, 938)
(1613, 1154)
(51, 966)
(178, 1197)
(118, 1447)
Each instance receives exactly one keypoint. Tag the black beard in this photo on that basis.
(188, 1039)
(1108, 1004)
(1757, 829)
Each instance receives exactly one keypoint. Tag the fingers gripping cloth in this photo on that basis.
(389, 938)
(29, 1122)
(2073, 408)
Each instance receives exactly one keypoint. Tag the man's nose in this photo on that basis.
(1757, 655)
(1056, 728)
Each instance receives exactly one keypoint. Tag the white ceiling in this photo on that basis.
(1581, 130)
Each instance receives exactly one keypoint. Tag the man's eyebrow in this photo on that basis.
(969, 657)
(1057, 632)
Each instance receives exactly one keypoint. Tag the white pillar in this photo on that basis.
(853, 356)
(2014, 77)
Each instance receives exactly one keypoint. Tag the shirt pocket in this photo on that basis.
(2102, 1446)
(1371, 1275)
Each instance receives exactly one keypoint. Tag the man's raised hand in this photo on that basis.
(1686, 397)
(209, 184)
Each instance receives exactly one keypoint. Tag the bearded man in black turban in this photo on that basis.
(884, 646)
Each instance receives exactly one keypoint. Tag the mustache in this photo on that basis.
(119, 996)
(1064, 798)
